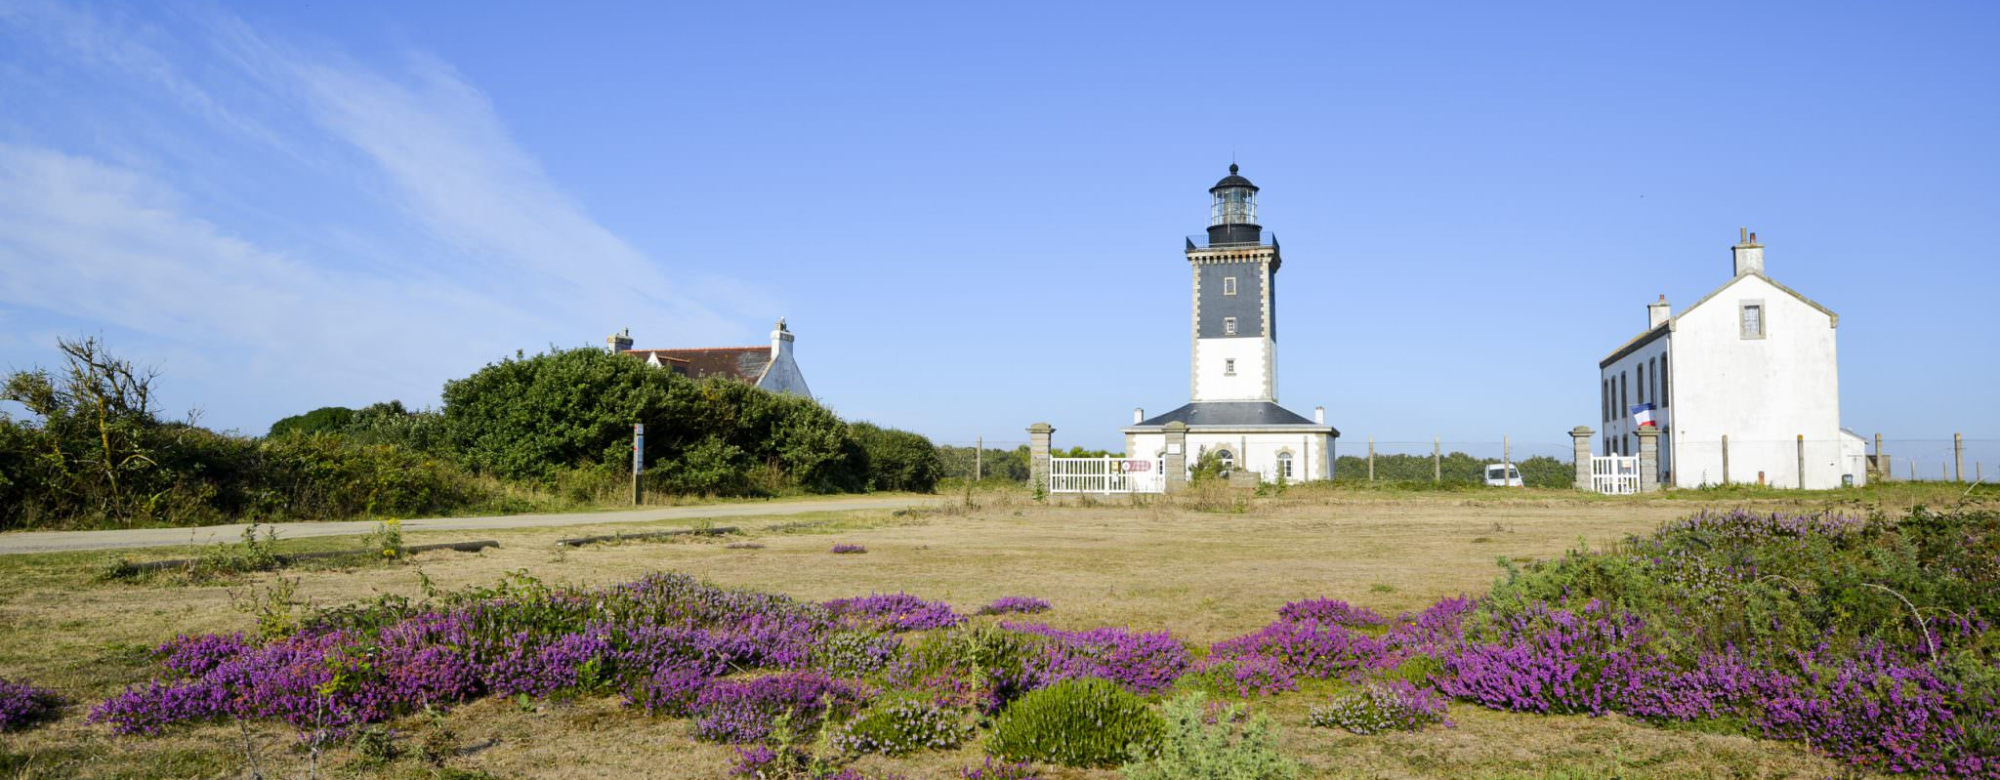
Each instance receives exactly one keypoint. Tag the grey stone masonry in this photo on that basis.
(1582, 434)
(1039, 436)
(1649, 460)
(1176, 456)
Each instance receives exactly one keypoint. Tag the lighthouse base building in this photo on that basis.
(1233, 414)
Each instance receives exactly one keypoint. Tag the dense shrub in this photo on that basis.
(326, 419)
(1455, 468)
(1202, 743)
(1379, 707)
(1081, 723)
(898, 460)
(744, 710)
(903, 725)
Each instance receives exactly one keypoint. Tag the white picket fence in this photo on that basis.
(1615, 475)
(1105, 475)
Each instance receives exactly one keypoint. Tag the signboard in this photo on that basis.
(638, 448)
(1136, 466)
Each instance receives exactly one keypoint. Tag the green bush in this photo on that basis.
(898, 460)
(326, 419)
(1082, 723)
(901, 726)
(1202, 745)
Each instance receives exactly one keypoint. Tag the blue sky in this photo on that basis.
(973, 215)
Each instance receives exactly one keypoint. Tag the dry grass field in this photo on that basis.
(1204, 575)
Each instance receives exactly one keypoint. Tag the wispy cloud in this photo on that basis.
(511, 260)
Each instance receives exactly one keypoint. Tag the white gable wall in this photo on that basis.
(1762, 393)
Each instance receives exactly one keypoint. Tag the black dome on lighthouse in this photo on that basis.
(1233, 180)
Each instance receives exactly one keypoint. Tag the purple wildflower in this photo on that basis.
(1014, 605)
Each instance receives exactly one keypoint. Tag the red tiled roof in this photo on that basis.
(740, 363)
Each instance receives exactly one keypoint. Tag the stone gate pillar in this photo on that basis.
(1176, 456)
(1039, 436)
(1581, 434)
(1649, 460)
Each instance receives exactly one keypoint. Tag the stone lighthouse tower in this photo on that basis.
(1235, 299)
(1233, 412)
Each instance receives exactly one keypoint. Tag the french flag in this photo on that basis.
(1643, 413)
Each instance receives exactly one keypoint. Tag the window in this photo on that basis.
(1654, 363)
(1229, 326)
(1642, 383)
(1285, 465)
(1229, 285)
(1604, 400)
(1228, 458)
(1624, 394)
(1229, 366)
(1665, 391)
(1753, 319)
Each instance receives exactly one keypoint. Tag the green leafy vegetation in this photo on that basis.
(1088, 722)
(1207, 742)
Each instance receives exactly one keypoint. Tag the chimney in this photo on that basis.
(1138, 415)
(1658, 312)
(618, 342)
(1749, 253)
(1319, 415)
(781, 340)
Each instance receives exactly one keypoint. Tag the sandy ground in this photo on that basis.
(1204, 576)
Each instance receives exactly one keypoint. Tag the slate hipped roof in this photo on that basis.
(1232, 414)
(745, 364)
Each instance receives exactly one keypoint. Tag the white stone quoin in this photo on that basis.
(1754, 361)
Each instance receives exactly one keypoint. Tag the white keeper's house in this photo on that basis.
(1744, 385)
(1233, 373)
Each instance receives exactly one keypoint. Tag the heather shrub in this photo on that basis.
(743, 710)
(23, 705)
(854, 653)
(903, 725)
(1379, 707)
(848, 549)
(1202, 743)
(1005, 770)
(1331, 612)
(1144, 662)
(1080, 723)
(1014, 605)
(894, 612)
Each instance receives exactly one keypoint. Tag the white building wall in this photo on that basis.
(1252, 380)
(1762, 393)
(1312, 454)
(1621, 433)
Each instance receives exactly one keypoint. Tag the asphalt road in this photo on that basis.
(62, 541)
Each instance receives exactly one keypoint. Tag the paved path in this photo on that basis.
(60, 541)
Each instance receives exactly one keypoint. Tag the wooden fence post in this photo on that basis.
(1725, 459)
(978, 458)
(1371, 459)
(1802, 461)
(1437, 459)
(1958, 457)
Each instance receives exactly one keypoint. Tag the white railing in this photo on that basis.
(1615, 475)
(1105, 475)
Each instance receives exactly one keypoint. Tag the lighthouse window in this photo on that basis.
(1229, 326)
(1229, 285)
(1229, 364)
(1753, 319)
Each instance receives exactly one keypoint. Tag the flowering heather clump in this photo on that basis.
(1382, 706)
(23, 705)
(903, 726)
(1744, 526)
(1141, 662)
(1248, 675)
(743, 710)
(895, 612)
(1004, 770)
(1014, 605)
(1331, 612)
(1305, 649)
(197, 655)
(848, 549)
(1544, 659)
(671, 692)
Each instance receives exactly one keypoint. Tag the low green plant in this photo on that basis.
(1085, 722)
(901, 726)
(277, 608)
(386, 541)
(1202, 742)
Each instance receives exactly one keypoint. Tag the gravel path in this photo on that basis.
(61, 541)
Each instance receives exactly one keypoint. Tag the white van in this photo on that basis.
(1503, 475)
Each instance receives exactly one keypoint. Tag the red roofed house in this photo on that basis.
(770, 368)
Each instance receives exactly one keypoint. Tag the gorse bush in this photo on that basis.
(1082, 723)
(898, 460)
(1203, 743)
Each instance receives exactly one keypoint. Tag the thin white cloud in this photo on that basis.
(514, 261)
